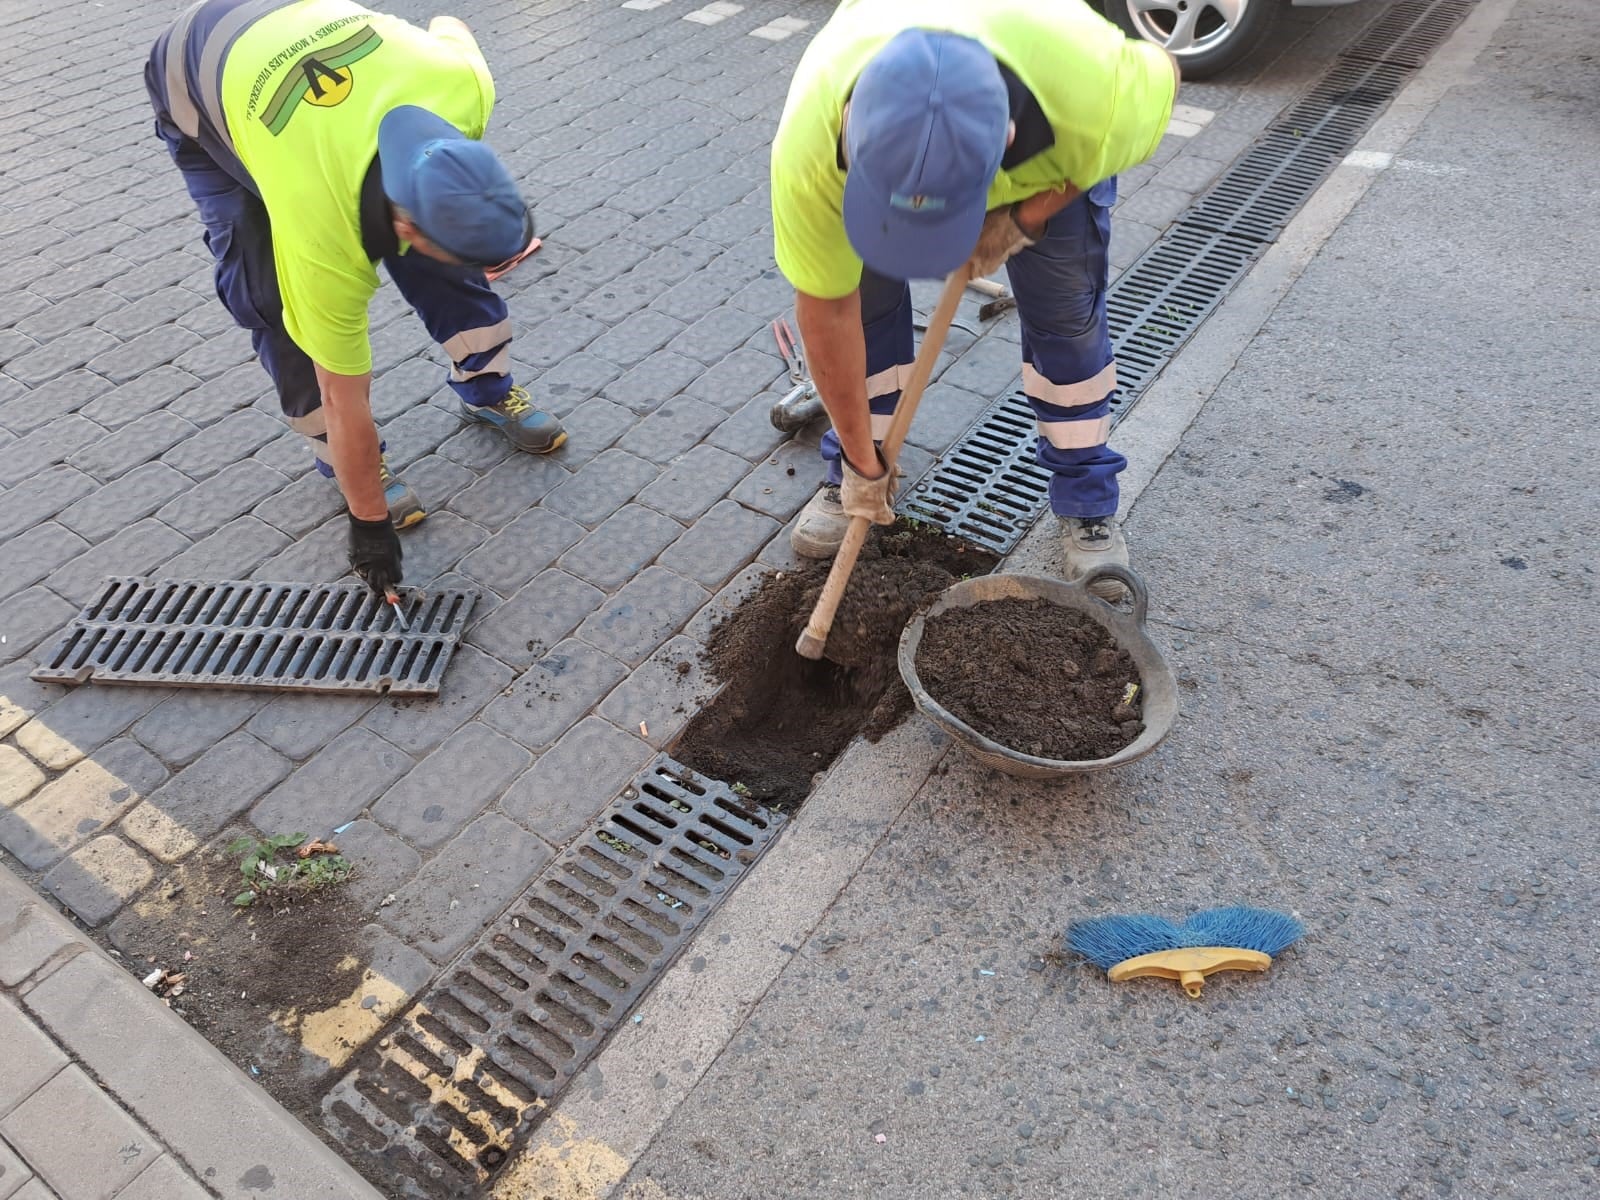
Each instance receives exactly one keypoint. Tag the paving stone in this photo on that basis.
(35, 554)
(678, 425)
(548, 608)
(662, 694)
(784, 481)
(203, 797)
(128, 321)
(120, 503)
(593, 227)
(636, 337)
(418, 432)
(1216, 141)
(946, 411)
(657, 379)
(749, 432)
(321, 556)
(107, 1149)
(693, 483)
(989, 368)
(403, 387)
(131, 359)
(19, 776)
(549, 697)
(1189, 173)
(218, 353)
(572, 381)
(383, 863)
(715, 335)
(84, 720)
(468, 884)
(210, 505)
(452, 786)
(621, 546)
(61, 440)
(477, 447)
(333, 786)
(80, 804)
(418, 725)
(602, 487)
(436, 479)
(99, 878)
(510, 489)
(521, 550)
(31, 1057)
(136, 550)
(219, 446)
(164, 1179)
(1155, 204)
(21, 698)
(26, 409)
(767, 295)
(592, 427)
(719, 543)
(182, 728)
(1129, 239)
(564, 334)
(576, 778)
(41, 497)
(742, 374)
(298, 726)
(139, 442)
(64, 354)
(232, 552)
(13, 1171)
(122, 405)
(435, 546)
(643, 614)
(287, 452)
(302, 504)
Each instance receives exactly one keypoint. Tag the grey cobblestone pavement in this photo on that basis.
(137, 437)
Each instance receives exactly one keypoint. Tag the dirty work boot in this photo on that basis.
(525, 426)
(1092, 542)
(821, 526)
(405, 506)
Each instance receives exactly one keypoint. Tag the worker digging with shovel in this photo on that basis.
(318, 139)
(922, 135)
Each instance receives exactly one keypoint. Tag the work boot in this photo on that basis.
(405, 506)
(821, 526)
(1092, 542)
(525, 426)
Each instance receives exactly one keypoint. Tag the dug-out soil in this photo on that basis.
(1033, 676)
(248, 977)
(781, 718)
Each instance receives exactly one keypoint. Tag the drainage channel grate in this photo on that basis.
(986, 487)
(439, 1103)
(264, 636)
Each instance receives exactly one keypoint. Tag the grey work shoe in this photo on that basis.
(821, 526)
(1092, 542)
(525, 426)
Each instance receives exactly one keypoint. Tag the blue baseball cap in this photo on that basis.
(924, 137)
(456, 189)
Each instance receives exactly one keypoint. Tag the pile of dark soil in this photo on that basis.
(782, 718)
(248, 975)
(1034, 676)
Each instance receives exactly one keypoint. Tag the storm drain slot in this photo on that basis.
(986, 487)
(439, 1103)
(265, 636)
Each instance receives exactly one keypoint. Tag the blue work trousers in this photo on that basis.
(1068, 370)
(459, 308)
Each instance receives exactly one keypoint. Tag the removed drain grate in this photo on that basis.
(986, 487)
(268, 636)
(437, 1105)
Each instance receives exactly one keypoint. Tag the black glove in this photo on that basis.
(375, 554)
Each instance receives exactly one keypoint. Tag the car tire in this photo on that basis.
(1217, 47)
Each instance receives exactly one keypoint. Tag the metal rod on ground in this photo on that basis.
(814, 639)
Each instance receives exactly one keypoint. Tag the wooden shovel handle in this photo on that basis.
(814, 639)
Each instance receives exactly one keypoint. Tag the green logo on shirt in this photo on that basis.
(322, 79)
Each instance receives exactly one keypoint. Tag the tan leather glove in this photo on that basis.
(869, 498)
(1000, 239)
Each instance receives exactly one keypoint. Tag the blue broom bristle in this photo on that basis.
(1106, 941)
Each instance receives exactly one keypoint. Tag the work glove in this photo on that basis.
(869, 498)
(375, 554)
(1000, 238)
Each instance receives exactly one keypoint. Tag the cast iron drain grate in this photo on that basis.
(267, 636)
(986, 488)
(440, 1102)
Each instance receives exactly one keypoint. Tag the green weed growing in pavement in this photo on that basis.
(266, 870)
